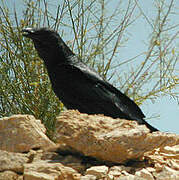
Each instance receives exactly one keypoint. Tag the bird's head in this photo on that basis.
(42, 36)
(48, 43)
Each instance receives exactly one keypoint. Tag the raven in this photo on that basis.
(77, 85)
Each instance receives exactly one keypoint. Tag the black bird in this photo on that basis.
(77, 85)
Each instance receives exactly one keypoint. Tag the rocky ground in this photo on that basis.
(88, 147)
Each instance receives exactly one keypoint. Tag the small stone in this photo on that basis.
(49, 171)
(144, 174)
(10, 175)
(20, 133)
(98, 171)
(167, 174)
(88, 177)
(12, 161)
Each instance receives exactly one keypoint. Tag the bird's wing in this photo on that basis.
(106, 91)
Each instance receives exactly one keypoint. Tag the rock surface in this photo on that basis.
(49, 171)
(10, 175)
(108, 139)
(20, 133)
(66, 161)
(12, 161)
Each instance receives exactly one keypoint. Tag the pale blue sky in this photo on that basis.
(166, 107)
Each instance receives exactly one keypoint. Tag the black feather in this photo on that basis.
(79, 86)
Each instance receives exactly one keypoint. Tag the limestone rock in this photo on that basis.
(108, 139)
(10, 175)
(144, 173)
(162, 156)
(98, 171)
(88, 177)
(20, 133)
(79, 135)
(118, 171)
(12, 161)
(166, 174)
(115, 172)
(166, 162)
(49, 171)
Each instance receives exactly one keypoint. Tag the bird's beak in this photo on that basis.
(28, 32)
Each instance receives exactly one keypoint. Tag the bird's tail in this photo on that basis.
(152, 129)
(142, 121)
